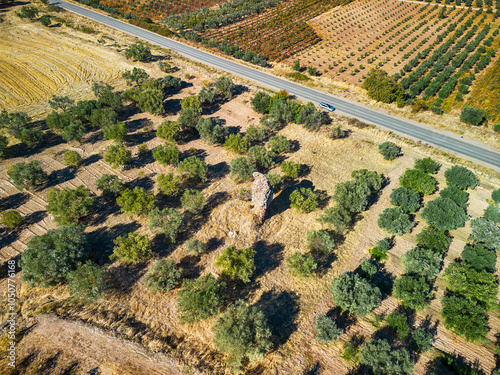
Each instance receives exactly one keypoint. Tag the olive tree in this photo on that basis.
(69, 205)
(355, 294)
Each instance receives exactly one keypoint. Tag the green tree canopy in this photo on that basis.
(381, 87)
(132, 249)
(444, 214)
(163, 276)
(395, 221)
(419, 181)
(87, 283)
(427, 165)
(465, 317)
(486, 232)
(50, 257)
(236, 264)
(27, 176)
(69, 205)
(193, 169)
(422, 262)
(355, 294)
(243, 332)
(200, 299)
(383, 359)
(168, 220)
(136, 201)
(414, 291)
(433, 239)
(409, 200)
(461, 177)
(118, 155)
(480, 257)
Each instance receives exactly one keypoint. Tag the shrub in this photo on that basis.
(169, 131)
(320, 241)
(196, 247)
(465, 317)
(188, 118)
(72, 159)
(303, 200)
(368, 269)
(168, 220)
(433, 239)
(136, 202)
(492, 213)
(279, 144)
(444, 214)
(487, 232)
(243, 332)
(480, 257)
(138, 52)
(118, 155)
(28, 12)
(290, 169)
(407, 199)
(241, 169)
(192, 201)
(301, 265)
(352, 196)
(382, 87)
(200, 299)
(27, 176)
(381, 248)
(169, 184)
(338, 217)
(337, 132)
(255, 133)
(163, 276)
(422, 262)
(50, 257)
(237, 143)
(422, 340)
(207, 96)
(427, 165)
(399, 323)
(419, 181)
(495, 195)
(117, 132)
(389, 150)
(193, 169)
(310, 117)
(87, 282)
(457, 195)
(472, 284)
(236, 264)
(11, 218)
(261, 102)
(74, 131)
(395, 221)
(261, 158)
(69, 205)
(496, 128)
(211, 130)
(326, 329)
(225, 86)
(275, 181)
(414, 291)
(132, 249)
(111, 185)
(4, 142)
(383, 359)
(168, 154)
(269, 122)
(461, 177)
(355, 294)
(473, 116)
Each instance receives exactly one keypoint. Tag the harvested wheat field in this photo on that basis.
(38, 62)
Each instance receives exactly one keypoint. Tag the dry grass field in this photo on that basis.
(134, 328)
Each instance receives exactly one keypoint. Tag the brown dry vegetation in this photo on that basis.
(131, 313)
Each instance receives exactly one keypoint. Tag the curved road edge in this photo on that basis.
(443, 140)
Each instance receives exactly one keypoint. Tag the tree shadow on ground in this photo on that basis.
(141, 160)
(453, 364)
(91, 159)
(104, 208)
(60, 176)
(140, 137)
(172, 106)
(281, 309)
(218, 170)
(294, 145)
(122, 277)
(282, 202)
(34, 217)
(196, 222)
(384, 280)
(267, 257)
(343, 319)
(144, 182)
(4, 266)
(199, 153)
(11, 202)
(313, 369)
(101, 240)
(93, 137)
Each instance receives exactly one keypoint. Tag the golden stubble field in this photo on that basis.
(37, 62)
(130, 312)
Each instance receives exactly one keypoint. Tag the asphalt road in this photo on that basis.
(473, 150)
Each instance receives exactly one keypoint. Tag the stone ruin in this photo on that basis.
(262, 195)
